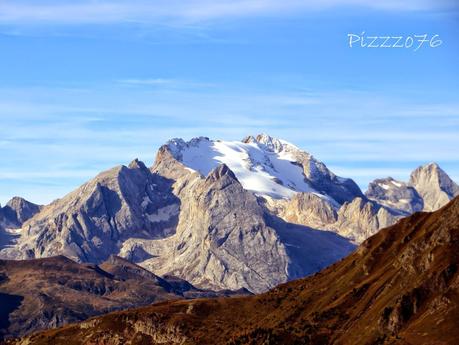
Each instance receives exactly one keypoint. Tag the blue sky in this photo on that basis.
(87, 85)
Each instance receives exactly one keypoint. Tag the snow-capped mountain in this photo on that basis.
(222, 215)
(266, 166)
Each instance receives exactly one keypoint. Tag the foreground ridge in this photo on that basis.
(400, 286)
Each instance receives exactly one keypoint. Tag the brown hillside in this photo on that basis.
(400, 286)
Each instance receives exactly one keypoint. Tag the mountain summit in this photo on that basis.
(266, 166)
(434, 185)
(220, 214)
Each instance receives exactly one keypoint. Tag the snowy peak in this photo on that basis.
(256, 167)
(270, 144)
(264, 165)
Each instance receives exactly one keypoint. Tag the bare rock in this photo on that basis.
(434, 185)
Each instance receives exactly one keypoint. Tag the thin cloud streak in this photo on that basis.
(172, 12)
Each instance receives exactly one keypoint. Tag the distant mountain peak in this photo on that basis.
(434, 185)
(18, 210)
(137, 164)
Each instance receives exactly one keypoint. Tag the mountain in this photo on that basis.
(44, 293)
(225, 239)
(171, 219)
(429, 189)
(265, 165)
(18, 210)
(362, 218)
(88, 224)
(400, 287)
(395, 195)
(434, 185)
(219, 214)
(12, 216)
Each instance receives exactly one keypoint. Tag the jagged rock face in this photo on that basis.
(223, 239)
(88, 224)
(12, 216)
(19, 210)
(307, 209)
(434, 185)
(362, 218)
(207, 230)
(395, 194)
(220, 225)
(16, 212)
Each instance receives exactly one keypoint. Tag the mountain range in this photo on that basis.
(221, 215)
(401, 286)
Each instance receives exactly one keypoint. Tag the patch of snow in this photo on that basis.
(14, 231)
(384, 186)
(398, 184)
(164, 213)
(263, 171)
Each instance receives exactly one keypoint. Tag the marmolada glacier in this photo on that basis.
(221, 215)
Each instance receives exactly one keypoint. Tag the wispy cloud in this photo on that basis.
(165, 83)
(181, 11)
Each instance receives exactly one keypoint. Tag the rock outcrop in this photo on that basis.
(307, 209)
(223, 239)
(429, 189)
(434, 185)
(88, 224)
(16, 212)
(362, 218)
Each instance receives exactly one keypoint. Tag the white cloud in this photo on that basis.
(170, 12)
